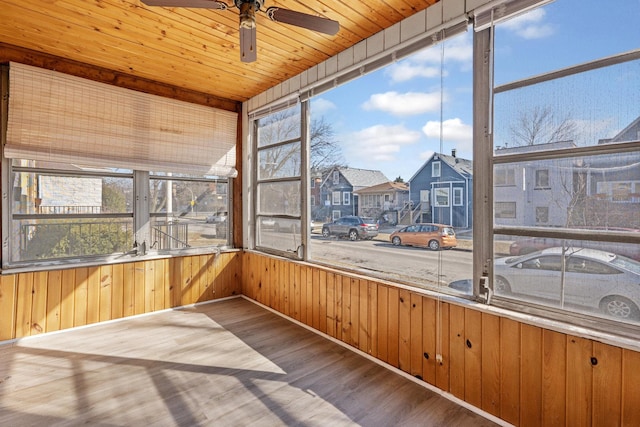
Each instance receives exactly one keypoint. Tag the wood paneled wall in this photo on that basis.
(33, 303)
(524, 374)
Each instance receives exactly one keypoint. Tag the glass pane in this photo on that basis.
(406, 135)
(587, 192)
(50, 194)
(46, 239)
(599, 278)
(188, 214)
(554, 36)
(585, 109)
(279, 233)
(282, 161)
(278, 127)
(279, 198)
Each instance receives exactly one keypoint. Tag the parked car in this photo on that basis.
(216, 218)
(529, 245)
(433, 236)
(354, 227)
(593, 279)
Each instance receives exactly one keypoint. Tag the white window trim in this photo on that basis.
(436, 169)
(457, 195)
(346, 198)
(335, 198)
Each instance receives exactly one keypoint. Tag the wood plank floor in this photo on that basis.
(229, 363)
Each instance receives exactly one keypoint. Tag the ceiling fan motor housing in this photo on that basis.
(248, 9)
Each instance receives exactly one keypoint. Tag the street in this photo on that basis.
(381, 258)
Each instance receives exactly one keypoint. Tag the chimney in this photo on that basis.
(453, 152)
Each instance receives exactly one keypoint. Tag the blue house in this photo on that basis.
(441, 192)
(337, 188)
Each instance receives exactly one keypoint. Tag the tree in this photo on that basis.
(325, 150)
(399, 179)
(540, 125)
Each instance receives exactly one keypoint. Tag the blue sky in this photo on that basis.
(390, 120)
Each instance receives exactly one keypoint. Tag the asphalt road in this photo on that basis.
(381, 258)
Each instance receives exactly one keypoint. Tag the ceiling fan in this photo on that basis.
(248, 9)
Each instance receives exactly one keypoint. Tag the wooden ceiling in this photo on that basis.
(193, 49)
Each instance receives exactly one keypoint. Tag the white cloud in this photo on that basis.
(404, 104)
(379, 143)
(453, 130)
(407, 70)
(319, 106)
(427, 63)
(529, 25)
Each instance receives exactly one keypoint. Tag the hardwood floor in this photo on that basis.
(229, 363)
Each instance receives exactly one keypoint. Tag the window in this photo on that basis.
(542, 214)
(457, 197)
(619, 191)
(435, 169)
(336, 177)
(278, 207)
(346, 198)
(441, 197)
(383, 148)
(336, 198)
(188, 212)
(557, 136)
(504, 176)
(505, 210)
(62, 212)
(98, 199)
(313, 200)
(542, 179)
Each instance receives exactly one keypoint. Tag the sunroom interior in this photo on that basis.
(161, 167)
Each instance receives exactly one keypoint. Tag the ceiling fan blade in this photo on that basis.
(304, 20)
(248, 48)
(205, 4)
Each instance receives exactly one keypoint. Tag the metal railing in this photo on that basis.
(86, 238)
(170, 235)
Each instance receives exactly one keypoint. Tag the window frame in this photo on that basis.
(336, 198)
(436, 169)
(458, 193)
(142, 244)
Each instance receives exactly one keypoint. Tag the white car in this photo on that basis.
(591, 279)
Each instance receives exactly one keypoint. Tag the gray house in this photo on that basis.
(337, 191)
(441, 191)
(600, 191)
(534, 194)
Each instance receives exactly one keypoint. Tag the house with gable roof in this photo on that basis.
(441, 191)
(337, 191)
(383, 200)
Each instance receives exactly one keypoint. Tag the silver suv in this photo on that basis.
(354, 227)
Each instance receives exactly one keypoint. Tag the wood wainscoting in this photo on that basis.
(38, 302)
(521, 373)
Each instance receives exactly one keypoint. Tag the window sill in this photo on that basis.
(120, 259)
